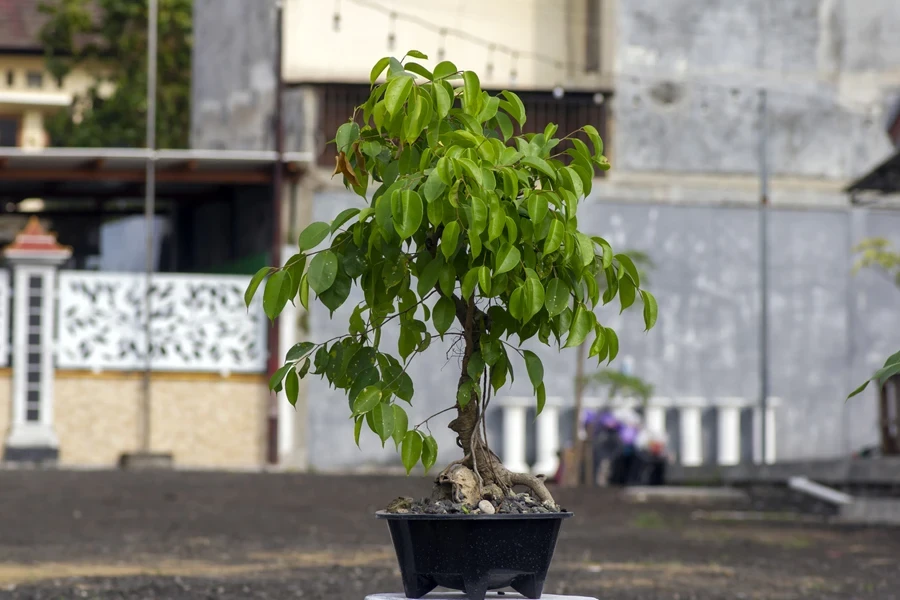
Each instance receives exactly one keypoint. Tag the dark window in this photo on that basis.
(34, 320)
(34, 398)
(34, 358)
(34, 377)
(32, 415)
(35, 282)
(10, 78)
(34, 301)
(34, 79)
(9, 131)
(34, 339)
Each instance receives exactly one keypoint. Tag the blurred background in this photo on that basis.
(709, 110)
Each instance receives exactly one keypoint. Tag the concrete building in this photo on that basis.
(676, 87)
(27, 91)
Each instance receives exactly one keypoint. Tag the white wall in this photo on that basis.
(315, 52)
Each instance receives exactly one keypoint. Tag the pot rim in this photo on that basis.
(481, 517)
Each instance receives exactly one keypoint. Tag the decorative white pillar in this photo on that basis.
(547, 444)
(729, 422)
(771, 405)
(514, 435)
(691, 418)
(287, 337)
(35, 256)
(655, 415)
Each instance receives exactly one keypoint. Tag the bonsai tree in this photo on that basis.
(879, 255)
(466, 231)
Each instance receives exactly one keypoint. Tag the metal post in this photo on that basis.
(763, 273)
(149, 213)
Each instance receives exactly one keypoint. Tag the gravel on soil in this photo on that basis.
(109, 535)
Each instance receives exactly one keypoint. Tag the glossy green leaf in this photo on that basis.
(444, 69)
(464, 393)
(379, 68)
(627, 294)
(541, 399)
(537, 207)
(595, 140)
(298, 351)
(322, 271)
(419, 70)
(304, 291)
(368, 399)
(346, 135)
(557, 297)
(598, 347)
(443, 314)
(507, 258)
(540, 165)
(428, 278)
(471, 93)
(582, 323)
(383, 420)
(429, 452)
(337, 293)
(506, 126)
(433, 187)
(275, 296)
(292, 387)
(472, 170)
(343, 217)
(533, 297)
(555, 236)
(475, 367)
(313, 235)
(585, 248)
(357, 429)
(443, 101)
(469, 282)
(612, 343)
(254, 284)
(651, 310)
(411, 213)
(626, 262)
(447, 280)
(401, 424)
(411, 449)
(534, 367)
(397, 92)
(517, 303)
(449, 239)
(514, 106)
(479, 217)
(484, 280)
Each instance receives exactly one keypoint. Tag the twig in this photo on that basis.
(440, 412)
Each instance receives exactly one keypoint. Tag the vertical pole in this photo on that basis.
(277, 185)
(763, 271)
(149, 213)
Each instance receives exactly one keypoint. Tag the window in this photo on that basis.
(10, 78)
(9, 131)
(33, 357)
(34, 79)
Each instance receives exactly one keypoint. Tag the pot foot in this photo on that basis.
(529, 586)
(417, 586)
(476, 589)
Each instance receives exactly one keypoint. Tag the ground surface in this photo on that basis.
(193, 536)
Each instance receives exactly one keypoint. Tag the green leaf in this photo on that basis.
(497, 222)
(541, 165)
(357, 429)
(337, 293)
(368, 399)
(278, 376)
(479, 217)
(429, 452)
(464, 393)
(506, 126)
(651, 310)
(513, 105)
(411, 450)
(469, 282)
(304, 291)
(383, 213)
(343, 217)
(585, 248)
(484, 280)
(517, 303)
(313, 235)
(411, 213)
(443, 101)
(449, 239)
(598, 347)
(298, 351)
(537, 208)
(595, 140)
(428, 278)
(612, 342)
(383, 420)
(254, 284)
(397, 92)
(346, 135)
(322, 271)
(859, 390)
(433, 187)
(471, 93)
(557, 297)
(364, 379)
(476, 365)
(401, 424)
(626, 294)
(582, 323)
(507, 258)
(447, 280)
(491, 351)
(473, 170)
(626, 262)
(275, 296)
(443, 314)
(378, 69)
(292, 387)
(535, 368)
(555, 236)
(419, 70)
(533, 297)
(607, 251)
(541, 399)
(444, 69)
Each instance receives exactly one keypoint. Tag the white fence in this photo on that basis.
(690, 427)
(198, 323)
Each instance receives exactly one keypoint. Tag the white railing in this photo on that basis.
(690, 428)
(198, 323)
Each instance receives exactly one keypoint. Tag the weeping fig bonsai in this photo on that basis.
(467, 230)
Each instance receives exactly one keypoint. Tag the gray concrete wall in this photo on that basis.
(233, 85)
(688, 74)
(828, 329)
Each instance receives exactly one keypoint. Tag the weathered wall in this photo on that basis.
(828, 329)
(688, 73)
(5, 401)
(203, 421)
(233, 85)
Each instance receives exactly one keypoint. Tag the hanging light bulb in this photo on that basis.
(442, 48)
(558, 92)
(513, 73)
(392, 32)
(489, 68)
(336, 21)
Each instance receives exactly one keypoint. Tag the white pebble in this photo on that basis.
(486, 507)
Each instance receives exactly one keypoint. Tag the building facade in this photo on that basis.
(677, 87)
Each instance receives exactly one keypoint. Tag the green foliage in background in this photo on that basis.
(465, 231)
(109, 38)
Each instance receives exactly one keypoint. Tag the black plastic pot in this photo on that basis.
(474, 553)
